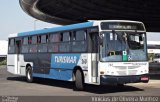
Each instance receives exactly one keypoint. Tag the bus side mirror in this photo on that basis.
(101, 39)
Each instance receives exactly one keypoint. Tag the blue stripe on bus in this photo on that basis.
(56, 29)
(65, 75)
(66, 63)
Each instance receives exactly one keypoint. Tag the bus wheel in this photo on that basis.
(29, 74)
(79, 83)
(120, 85)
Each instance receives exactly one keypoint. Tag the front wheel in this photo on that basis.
(120, 85)
(29, 74)
(79, 83)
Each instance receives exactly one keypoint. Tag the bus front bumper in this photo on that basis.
(106, 79)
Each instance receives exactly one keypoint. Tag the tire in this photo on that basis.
(79, 82)
(29, 76)
(120, 85)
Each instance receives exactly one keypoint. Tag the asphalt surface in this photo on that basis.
(11, 85)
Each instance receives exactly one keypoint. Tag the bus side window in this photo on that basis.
(43, 39)
(65, 44)
(51, 38)
(33, 46)
(34, 40)
(11, 48)
(79, 41)
(94, 42)
(25, 41)
(81, 35)
(66, 36)
(55, 37)
(54, 42)
(42, 47)
(25, 46)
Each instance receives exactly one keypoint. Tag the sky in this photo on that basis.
(13, 19)
(153, 36)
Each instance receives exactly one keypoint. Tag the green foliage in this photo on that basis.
(150, 56)
(4, 62)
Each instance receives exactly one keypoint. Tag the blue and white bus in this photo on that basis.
(95, 52)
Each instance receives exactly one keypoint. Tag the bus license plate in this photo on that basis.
(144, 78)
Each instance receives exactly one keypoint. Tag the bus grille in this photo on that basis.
(121, 72)
(132, 72)
(124, 70)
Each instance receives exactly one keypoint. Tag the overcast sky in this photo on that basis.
(153, 36)
(13, 20)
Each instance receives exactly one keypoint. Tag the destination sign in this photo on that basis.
(121, 26)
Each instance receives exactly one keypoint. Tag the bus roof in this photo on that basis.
(56, 29)
(67, 27)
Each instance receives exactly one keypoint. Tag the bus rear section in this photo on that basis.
(15, 59)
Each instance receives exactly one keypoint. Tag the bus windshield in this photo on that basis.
(116, 45)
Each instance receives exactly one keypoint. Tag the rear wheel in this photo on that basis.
(29, 74)
(79, 83)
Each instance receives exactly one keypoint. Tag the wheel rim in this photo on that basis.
(29, 75)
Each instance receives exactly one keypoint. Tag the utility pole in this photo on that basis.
(35, 24)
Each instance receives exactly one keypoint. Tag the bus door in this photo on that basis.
(18, 50)
(94, 51)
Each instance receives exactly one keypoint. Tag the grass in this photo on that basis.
(3, 62)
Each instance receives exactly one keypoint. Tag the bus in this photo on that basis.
(156, 58)
(95, 52)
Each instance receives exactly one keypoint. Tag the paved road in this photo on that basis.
(12, 85)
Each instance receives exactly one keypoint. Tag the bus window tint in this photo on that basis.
(25, 41)
(53, 47)
(12, 42)
(54, 42)
(80, 35)
(55, 37)
(34, 40)
(42, 47)
(65, 44)
(43, 39)
(11, 48)
(79, 43)
(66, 36)
(25, 45)
(33, 46)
